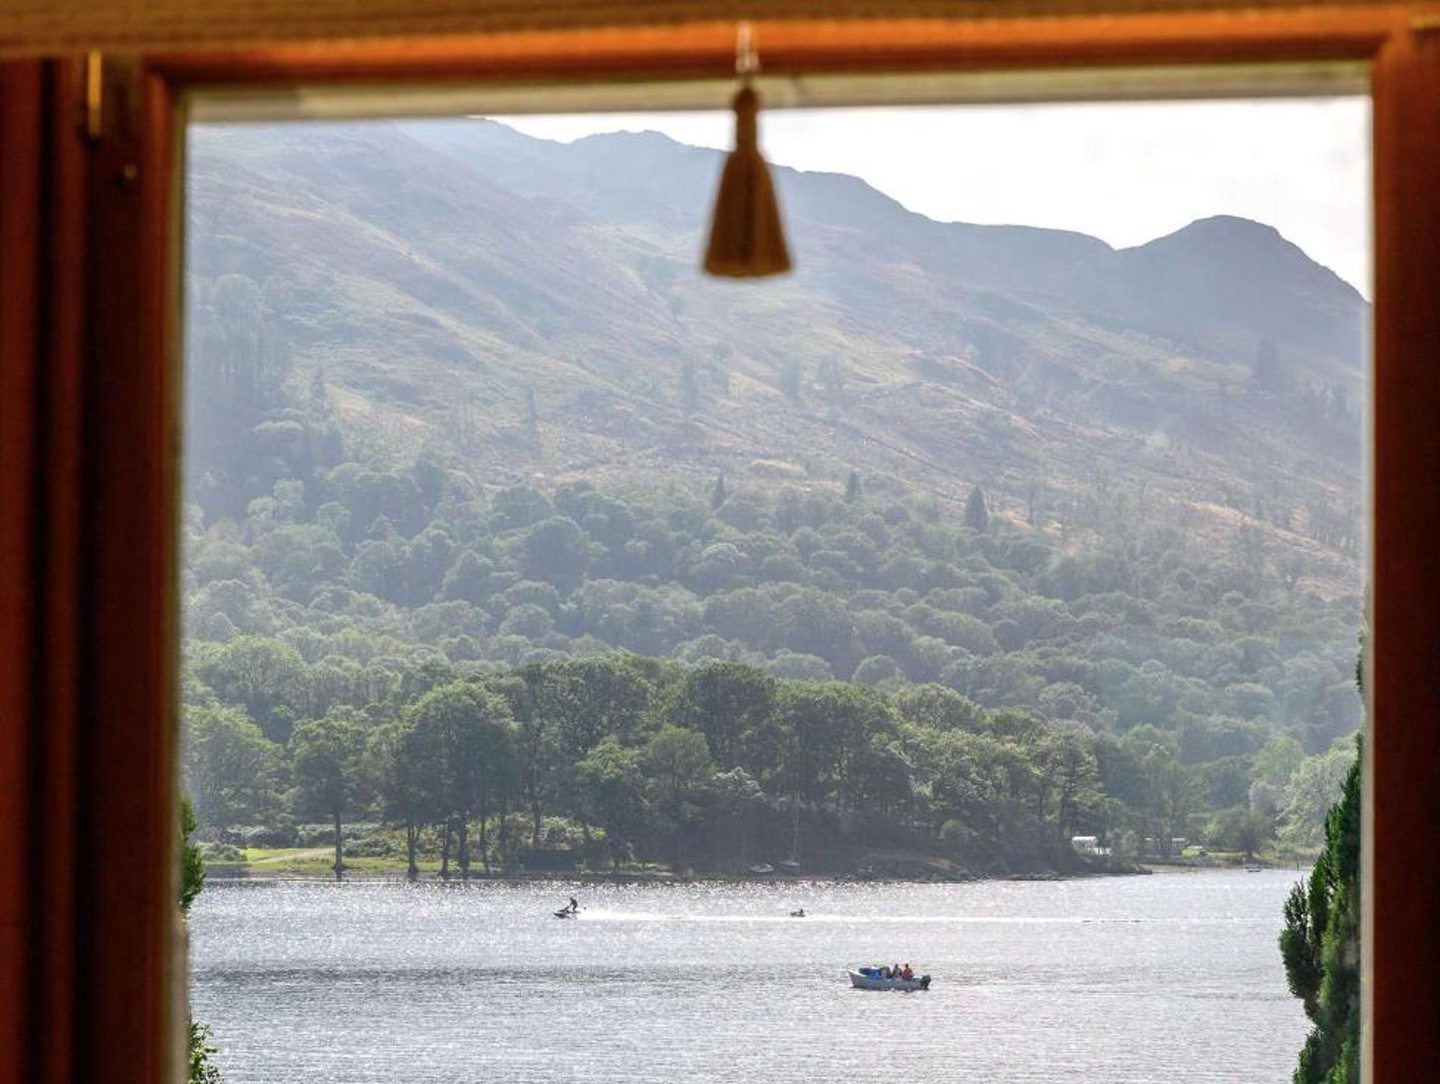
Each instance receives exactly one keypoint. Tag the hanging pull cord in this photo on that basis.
(747, 60)
(746, 103)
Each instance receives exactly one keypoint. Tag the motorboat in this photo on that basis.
(762, 868)
(798, 914)
(567, 913)
(873, 978)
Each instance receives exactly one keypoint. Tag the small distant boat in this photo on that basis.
(763, 868)
(567, 913)
(798, 914)
(790, 866)
(870, 978)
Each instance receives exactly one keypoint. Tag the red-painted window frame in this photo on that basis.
(90, 977)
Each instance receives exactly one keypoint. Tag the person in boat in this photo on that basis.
(571, 908)
(907, 973)
(798, 913)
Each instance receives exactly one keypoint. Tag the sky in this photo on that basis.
(1126, 173)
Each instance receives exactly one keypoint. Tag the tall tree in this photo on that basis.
(396, 775)
(1321, 947)
(977, 515)
(613, 788)
(326, 755)
(679, 767)
(230, 767)
(1068, 758)
(468, 735)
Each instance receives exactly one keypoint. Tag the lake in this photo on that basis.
(1173, 977)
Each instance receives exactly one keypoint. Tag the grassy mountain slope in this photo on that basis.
(442, 272)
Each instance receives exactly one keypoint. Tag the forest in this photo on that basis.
(389, 655)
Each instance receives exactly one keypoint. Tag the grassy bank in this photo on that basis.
(312, 863)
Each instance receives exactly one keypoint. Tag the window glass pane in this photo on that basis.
(902, 611)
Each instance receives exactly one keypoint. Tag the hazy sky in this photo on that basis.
(1126, 173)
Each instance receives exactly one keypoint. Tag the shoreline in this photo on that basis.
(231, 875)
(314, 865)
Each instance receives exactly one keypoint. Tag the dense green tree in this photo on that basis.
(1321, 947)
(1068, 764)
(614, 793)
(1172, 794)
(466, 733)
(936, 707)
(591, 698)
(738, 802)
(1242, 830)
(326, 754)
(263, 676)
(1310, 793)
(726, 702)
(394, 772)
(233, 771)
(554, 550)
(977, 514)
(678, 764)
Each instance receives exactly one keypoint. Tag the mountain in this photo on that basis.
(956, 541)
(537, 305)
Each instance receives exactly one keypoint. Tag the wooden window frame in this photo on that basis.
(91, 975)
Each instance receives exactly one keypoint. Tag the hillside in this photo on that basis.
(958, 540)
(448, 275)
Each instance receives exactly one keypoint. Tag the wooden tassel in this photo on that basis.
(747, 239)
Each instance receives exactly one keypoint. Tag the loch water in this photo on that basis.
(1170, 978)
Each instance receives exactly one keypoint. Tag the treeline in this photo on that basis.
(625, 759)
(359, 564)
